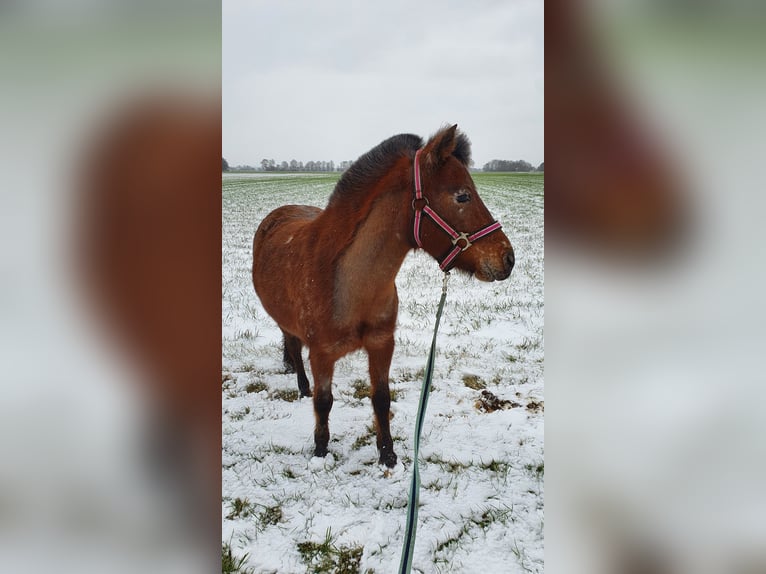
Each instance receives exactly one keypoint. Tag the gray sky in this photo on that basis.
(329, 80)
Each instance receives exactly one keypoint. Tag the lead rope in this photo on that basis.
(412, 506)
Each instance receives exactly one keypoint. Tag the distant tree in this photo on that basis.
(283, 166)
(293, 165)
(265, 164)
(225, 164)
(540, 167)
(507, 165)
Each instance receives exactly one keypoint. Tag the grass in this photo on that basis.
(496, 466)
(474, 382)
(451, 466)
(365, 439)
(270, 516)
(289, 395)
(536, 470)
(362, 390)
(231, 564)
(240, 415)
(256, 387)
(327, 558)
(240, 508)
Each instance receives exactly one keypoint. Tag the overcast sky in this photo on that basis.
(329, 80)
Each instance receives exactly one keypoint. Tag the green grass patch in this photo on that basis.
(474, 382)
(288, 473)
(289, 395)
(449, 465)
(231, 564)
(365, 439)
(256, 387)
(270, 516)
(492, 515)
(496, 466)
(410, 375)
(327, 558)
(240, 508)
(361, 389)
(239, 415)
(536, 470)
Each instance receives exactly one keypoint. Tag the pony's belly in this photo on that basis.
(281, 277)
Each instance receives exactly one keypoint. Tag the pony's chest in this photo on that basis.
(363, 314)
(352, 332)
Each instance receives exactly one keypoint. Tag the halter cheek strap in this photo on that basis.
(420, 205)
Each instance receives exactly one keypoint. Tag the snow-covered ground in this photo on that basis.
(482, 470)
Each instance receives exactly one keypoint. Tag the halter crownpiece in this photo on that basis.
(460, 241)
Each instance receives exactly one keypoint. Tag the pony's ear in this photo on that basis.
(440, 146)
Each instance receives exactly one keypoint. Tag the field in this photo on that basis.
(482, 468)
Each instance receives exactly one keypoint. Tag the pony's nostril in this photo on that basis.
(510, 260)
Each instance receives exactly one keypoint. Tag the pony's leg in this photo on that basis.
(380, 353)
(293, 361)
(287, 357)
(322, 368)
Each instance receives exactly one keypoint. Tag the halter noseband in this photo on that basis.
(457, 238)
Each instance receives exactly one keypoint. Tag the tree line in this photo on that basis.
(292, 165)
(511, 165)
(313, 166)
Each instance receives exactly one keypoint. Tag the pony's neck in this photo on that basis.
(366, 271)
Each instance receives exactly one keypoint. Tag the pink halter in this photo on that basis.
(444, 264)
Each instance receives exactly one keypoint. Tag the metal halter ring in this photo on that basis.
(425, 199)
(458, 238)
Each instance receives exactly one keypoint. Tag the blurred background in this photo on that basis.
(654, 287)
(110, 286)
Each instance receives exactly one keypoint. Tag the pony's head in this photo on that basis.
(451, 222)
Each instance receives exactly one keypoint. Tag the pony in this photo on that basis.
(327, 276)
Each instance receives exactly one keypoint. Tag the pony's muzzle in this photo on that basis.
(502, 271)
(497, 268)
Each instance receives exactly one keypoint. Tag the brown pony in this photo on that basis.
(327, 276)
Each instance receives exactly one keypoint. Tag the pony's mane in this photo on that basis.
(373, 165)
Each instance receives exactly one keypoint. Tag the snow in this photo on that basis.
(482, 473)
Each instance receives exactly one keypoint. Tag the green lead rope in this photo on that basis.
(412, 507)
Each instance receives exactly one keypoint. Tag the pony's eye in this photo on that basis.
(463, 197)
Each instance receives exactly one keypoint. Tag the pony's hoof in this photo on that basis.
(305, 393)
(388, 458)
(321, 452)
